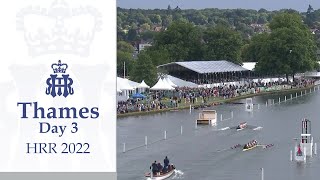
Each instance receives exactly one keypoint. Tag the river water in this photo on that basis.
(204, 152)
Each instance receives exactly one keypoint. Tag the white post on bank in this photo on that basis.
(262, 174)
(145, 140)
(124, 147)
(231, 114)
(165, 135)
(220, 117)
(291, 158)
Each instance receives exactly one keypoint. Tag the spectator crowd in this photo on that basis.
(186, 95)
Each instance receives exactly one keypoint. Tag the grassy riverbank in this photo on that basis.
(214, 101)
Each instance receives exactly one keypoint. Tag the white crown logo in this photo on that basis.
(59, 29)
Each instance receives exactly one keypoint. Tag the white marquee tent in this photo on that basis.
(180, 82)
(142, 87)
(123, 89)
(162, 85)
(170, 82)
(123, 84)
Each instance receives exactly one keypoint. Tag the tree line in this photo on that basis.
(286, 46)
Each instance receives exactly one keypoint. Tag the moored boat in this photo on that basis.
(161, 175)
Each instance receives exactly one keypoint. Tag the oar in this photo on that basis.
(233, 147)
(266, 145)
(236, 146)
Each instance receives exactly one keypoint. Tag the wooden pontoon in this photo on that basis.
(207, 117)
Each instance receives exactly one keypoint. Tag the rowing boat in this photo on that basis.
(162, 175)
(247, 149)
(241, 126)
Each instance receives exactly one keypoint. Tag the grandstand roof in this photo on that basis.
(203, 67)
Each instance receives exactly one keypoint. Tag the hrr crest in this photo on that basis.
(59, 83)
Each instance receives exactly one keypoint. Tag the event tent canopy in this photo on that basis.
(123, 84)
(118, 90)
(181, 83)
(143, 85)
(170, 82)
(249, 65)
(161, 85)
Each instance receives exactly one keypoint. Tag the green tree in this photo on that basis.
(159, 56)
(244, 53)
(289, 49)
(262, 10)
(155, 18)
(132, 35)
(222, 43)
(121, 35)
(310, 16)
(145, 27)
(245, 30)
(222, 22)
(197, 18)
(124, 46)
(252, 51)
(124, 55)
(143, 69)
(166, 20)
(262, 19)
(148, 35)
(182, 40)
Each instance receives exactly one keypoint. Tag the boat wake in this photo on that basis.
(223, 129)
(257, 128)
(178, 174)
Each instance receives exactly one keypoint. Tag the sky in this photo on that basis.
(300, 5)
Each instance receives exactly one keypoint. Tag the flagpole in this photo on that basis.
(124, 69)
